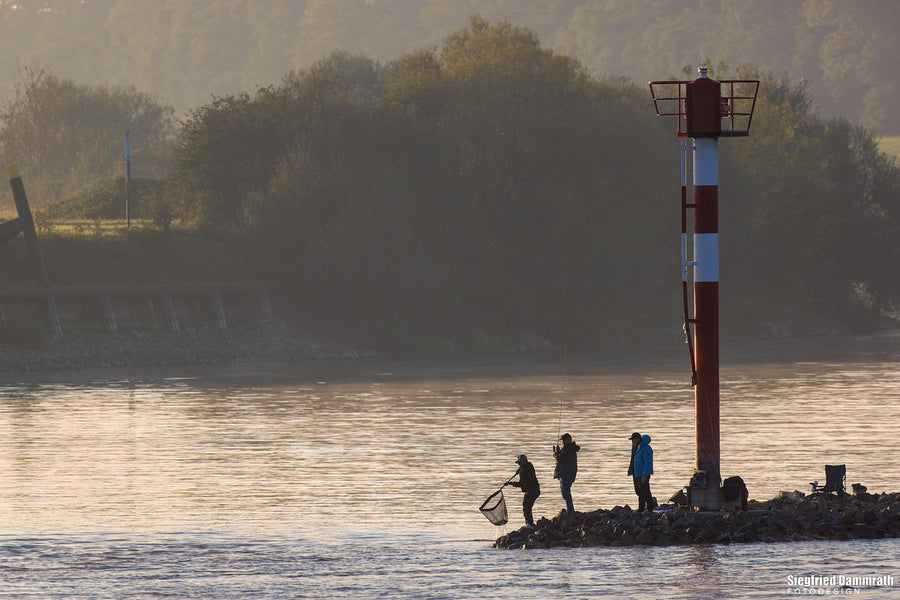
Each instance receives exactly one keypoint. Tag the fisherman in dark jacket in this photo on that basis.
(566, 468)
(529, 483)
(635, 442)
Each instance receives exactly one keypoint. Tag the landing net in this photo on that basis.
(494, 508)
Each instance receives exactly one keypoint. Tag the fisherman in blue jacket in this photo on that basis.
(643, 469)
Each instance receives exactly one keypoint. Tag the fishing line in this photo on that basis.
(562, 394)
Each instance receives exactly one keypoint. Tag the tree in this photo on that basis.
(231, 148)
(64, 135)
(492, 185)
(811, 192)
(536, 179)
(858, 53)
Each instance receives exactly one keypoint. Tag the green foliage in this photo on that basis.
(44, 223)
(476, 178)
(858, 52)
(105, 199)
(160, 210)
(63, 135)
(890, 145)
(232, 147)
(813, 206)
(188, 52)
(492, 184)
(97, 231)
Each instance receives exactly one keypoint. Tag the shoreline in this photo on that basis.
(267, 342)
(274, 342)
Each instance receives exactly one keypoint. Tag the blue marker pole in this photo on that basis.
(127, 177)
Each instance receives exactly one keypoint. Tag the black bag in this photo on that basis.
(733, 488)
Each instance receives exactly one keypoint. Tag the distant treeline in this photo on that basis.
(185, 52)
(65, 136)
(492, 186)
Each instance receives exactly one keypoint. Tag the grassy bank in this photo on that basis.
(890, 145)
(86, 255)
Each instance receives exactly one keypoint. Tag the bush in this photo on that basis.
(106, 199)
(159, 210)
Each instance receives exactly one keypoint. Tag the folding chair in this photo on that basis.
(835, 476)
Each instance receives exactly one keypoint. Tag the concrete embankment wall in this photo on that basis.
(63, 310)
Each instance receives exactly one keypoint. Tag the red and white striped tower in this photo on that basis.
(706, 306)
(702, 109)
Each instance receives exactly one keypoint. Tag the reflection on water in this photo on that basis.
(343, 478)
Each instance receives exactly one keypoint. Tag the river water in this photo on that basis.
(362, 479)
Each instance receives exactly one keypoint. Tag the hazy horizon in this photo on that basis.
(186, 55)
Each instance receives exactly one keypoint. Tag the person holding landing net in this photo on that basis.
(494, 508)
(528, 482)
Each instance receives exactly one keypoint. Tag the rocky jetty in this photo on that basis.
(795, 518)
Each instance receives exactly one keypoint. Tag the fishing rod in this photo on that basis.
(562, 394)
